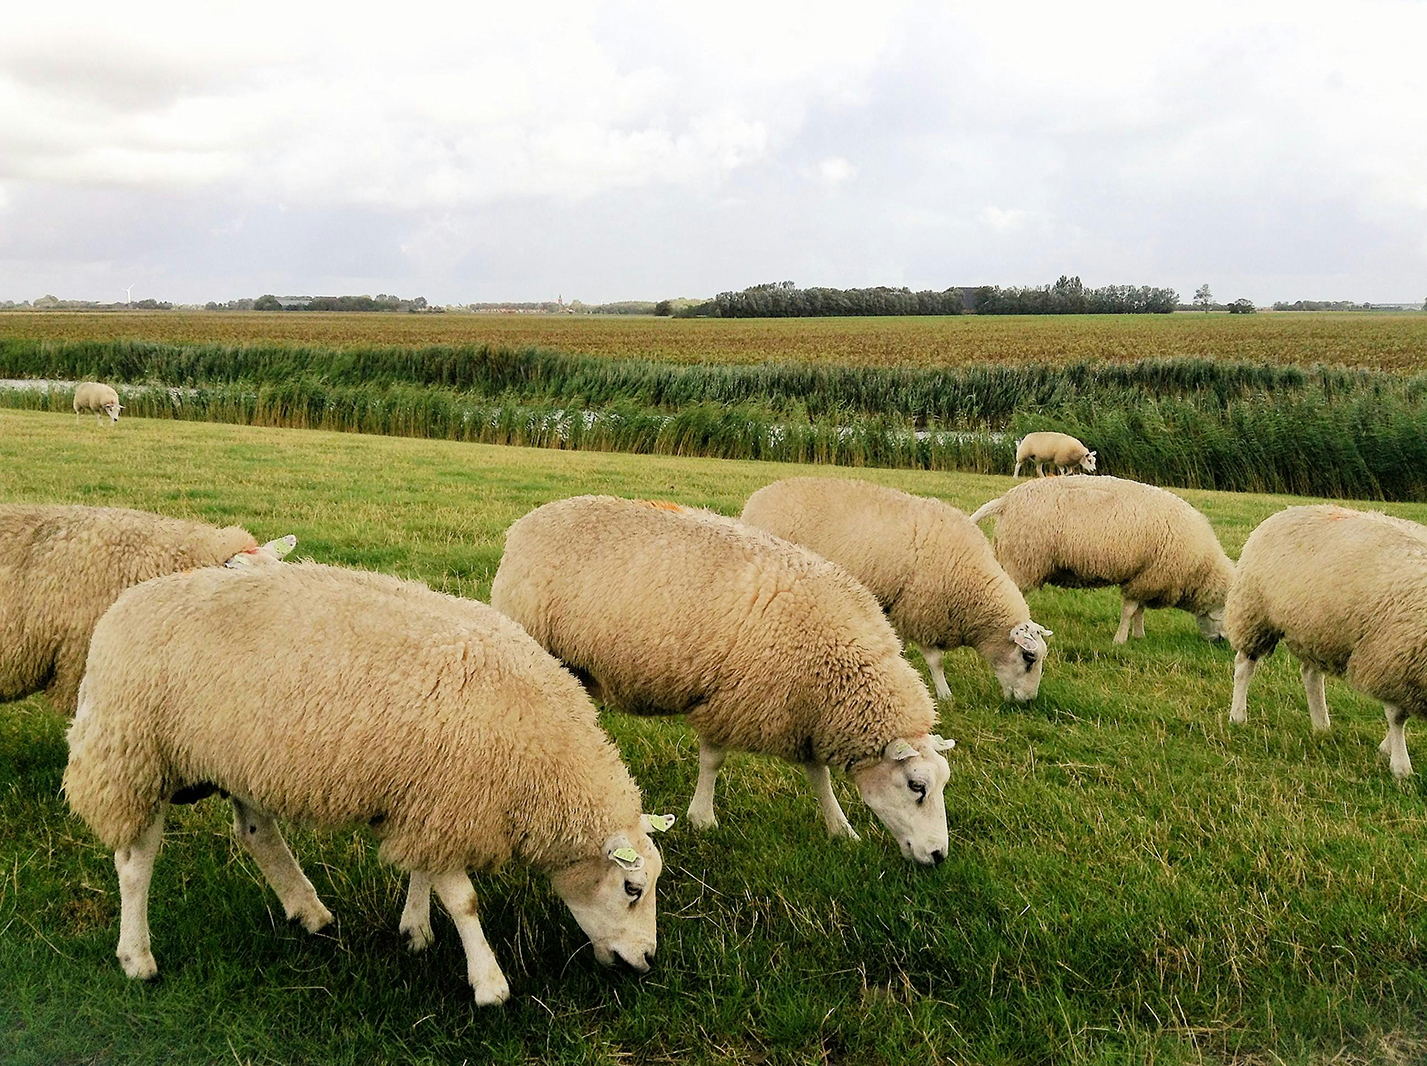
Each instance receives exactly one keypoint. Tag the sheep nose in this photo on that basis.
(648, 959)
(938, 857)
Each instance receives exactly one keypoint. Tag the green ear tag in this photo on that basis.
(627, 856)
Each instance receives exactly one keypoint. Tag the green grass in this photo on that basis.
(1130, 881)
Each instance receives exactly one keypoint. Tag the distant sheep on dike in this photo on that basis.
(930, 567)
(1061, 450)
(765, 646)
(99, 399)
(1346, 591)
(62, 566)
(1094, 532)
(334, 697)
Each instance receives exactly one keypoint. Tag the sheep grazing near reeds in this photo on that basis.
(98, 398)
(1061, 450)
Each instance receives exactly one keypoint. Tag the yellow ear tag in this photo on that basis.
(627, 858)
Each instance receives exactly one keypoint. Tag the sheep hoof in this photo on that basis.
(843, 832)
(141, 967)
(492, 991)
(702, 819)
(314, 918)
(1120, 638)
(1402, 771)
(418, 937)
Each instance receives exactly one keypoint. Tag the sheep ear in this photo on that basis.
(656, 823)
(940, 744)
(899, 750)
(619, 851)
(282, 547)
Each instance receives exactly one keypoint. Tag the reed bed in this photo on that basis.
(1329, 434)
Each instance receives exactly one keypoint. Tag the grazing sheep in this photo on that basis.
(1092, 532)
(1060, 449)
(765, 646)
(100, 399)
(62, 566)
(1345, 591)
(929, 566)
(334, 697)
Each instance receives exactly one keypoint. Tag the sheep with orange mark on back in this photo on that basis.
(930, 567)
(765, 646)
(62, 566)
(335, 697)
(1345, 591)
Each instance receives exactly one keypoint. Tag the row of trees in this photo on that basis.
(1069, 296)
(381, 302)
(783, 299)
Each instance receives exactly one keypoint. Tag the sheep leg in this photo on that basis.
(701, 812)
(1017, 472)
(1394, 745)
(932, 657)
(416, 915)
(1137, 628)
(1039, 471)
(263, 840)
(1127, 616)
(821, 780)
(135, 867)
(1317, 701)
(1244, 667)
(482, 969)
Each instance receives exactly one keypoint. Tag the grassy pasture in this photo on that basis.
(1383, 341)
(1130, 880)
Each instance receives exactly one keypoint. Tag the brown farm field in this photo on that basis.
(1384, 341)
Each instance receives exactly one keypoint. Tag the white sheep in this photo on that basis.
(1060, 449)
(1345, 591)
(98, 398)
(1095, 532)
(62, 566)
(765, 646)
(930, 567)
(334, 697)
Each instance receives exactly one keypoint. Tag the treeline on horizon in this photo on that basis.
(1196, 423)
(1068, 296)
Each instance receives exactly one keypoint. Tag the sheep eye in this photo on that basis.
(920, 788)
(632, 890)
(1030, 658)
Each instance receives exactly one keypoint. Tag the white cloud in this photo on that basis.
(835, 170)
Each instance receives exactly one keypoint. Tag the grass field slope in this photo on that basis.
(1130, 879)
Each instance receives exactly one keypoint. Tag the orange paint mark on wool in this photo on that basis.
(663, 505)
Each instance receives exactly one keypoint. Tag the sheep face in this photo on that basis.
(1019, 661)
(1211, 624)
(904, 789)
(1088, 463)
(612, 897)
(112, 409)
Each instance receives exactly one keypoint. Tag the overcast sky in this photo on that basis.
(634, 151)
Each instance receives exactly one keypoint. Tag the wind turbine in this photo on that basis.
(129, 296)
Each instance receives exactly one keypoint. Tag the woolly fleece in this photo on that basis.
(334, 697)
(1081, 532)
(764, 645)
(1345, 591)
(931, 568)
(60, 569)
